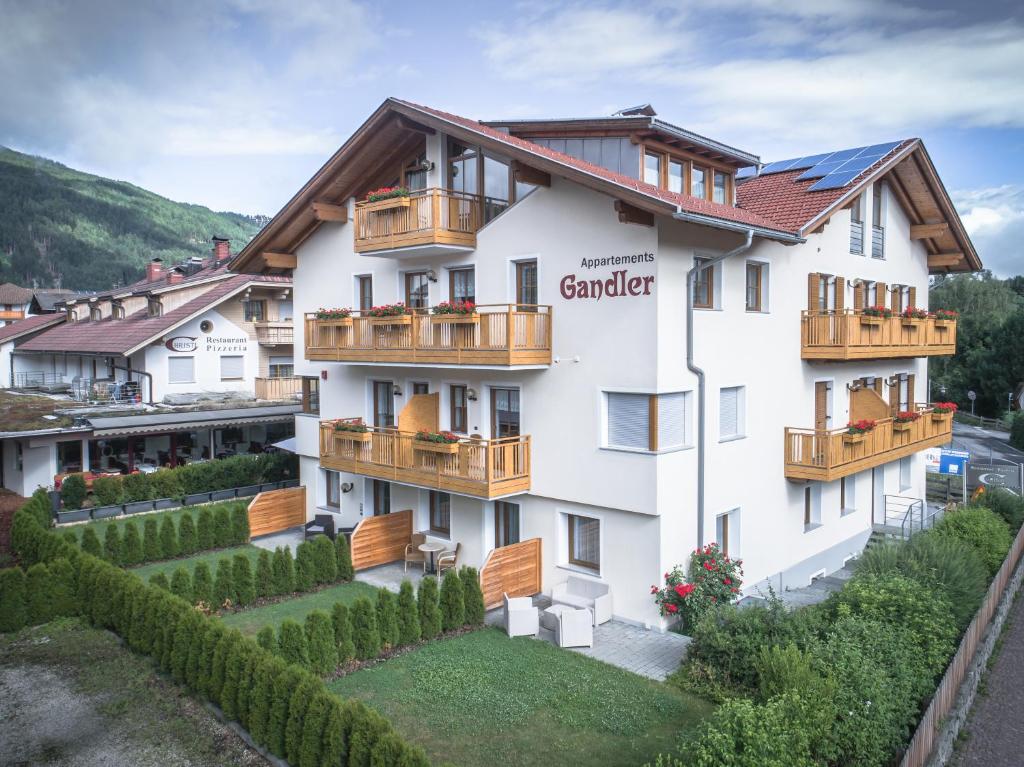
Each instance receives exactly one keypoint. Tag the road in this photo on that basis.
(983, 443)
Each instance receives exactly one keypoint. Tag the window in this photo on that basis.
(906, 465)
(698, 183)
(629, 420)
(440, 513)
(232, 368)
(526, 283)
(459, 409)
(730, 412)
(310, 395)
(585, 542)
(675, 176)
(857, 226)
(727, 532)
(364, 286)
(462, 285)
(255, 311)
(504, 413)
(704, 285)
(417, 290)
(506, 523)
(381, 497)
(755, 286)
(812, 507)
(652, 168)
(878, 221)
(153, 309)
(281, 367)
(117, 311)
(420, 387)
(181, 370)
(95, 314)
(673, 429)
(333, 489)
(721, 186)
(848, 494)
(383, 404)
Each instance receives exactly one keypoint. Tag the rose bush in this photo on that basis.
(711, 579)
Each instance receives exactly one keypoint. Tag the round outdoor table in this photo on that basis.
(432, 549)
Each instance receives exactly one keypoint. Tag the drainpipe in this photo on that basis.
(691, 277)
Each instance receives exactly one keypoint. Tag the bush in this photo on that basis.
(982, 529)
(166, 483)
(337, 728)
(187, 543)
(325, 559)
(160, 581)
(168, 538)
(181, 584)
(1004, 503)
(72, 491)
(473, 596)
(268, 670)
(224, 584)
(223, 535)
(264, 575)
(151, 548)
(453, 608)
(131, 545)
(387, 619)
(408, 615)
(112, 545)
(107, 491)
(284, 571)
(342, 623)
(91, 542)
(783, 669)
(365, 634)
(312, 730)
(430, 611)
(202, 585)
(292, 643)
(1017, 431)
(241, 575)
(344, 556)
(136, 488)
(240, 523)
(305, 567)
(323, 652)
(266, 639)
(39, 592)
(284, 687)
(297, 708)
(204, 530)
(711, 579)
(63, 574)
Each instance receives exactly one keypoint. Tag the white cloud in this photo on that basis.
(994, 219)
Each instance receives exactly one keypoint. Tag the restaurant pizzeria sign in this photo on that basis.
(619, 284)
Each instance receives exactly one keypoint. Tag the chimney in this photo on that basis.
(174, 277)
(221, 249)
(154, 270)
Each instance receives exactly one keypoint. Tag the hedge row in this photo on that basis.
(369, 628)
(284, 707)
(205, 477)
(213, 527)
(843, 682)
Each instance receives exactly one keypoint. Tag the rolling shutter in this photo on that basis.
(728, 412)
(628, 420)
(232, 367)
(671, 420)
(181, 369)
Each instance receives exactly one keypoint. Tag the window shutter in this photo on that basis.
(180, 369)
(913, 297)
(232, 367)
(813, 280)
(728, 412)
(859, 292)
(910, 391)
(840, 294)
(671, 420)
(880, 288)
(894, 298)
(894, 395)
(628, 420)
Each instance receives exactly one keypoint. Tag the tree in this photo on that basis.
(313, 730)
(168, 538)
(323, 653)
(408, 615)
(342, 622)
(387, 619)
(63, 574)
(453, 608)
(151, 549)
(473, 596)
(264, 575)
(202, 584)
(430, 611)
(285, 684)
(204, 530)
(245, 588)
(325, 559)
(160, 581)
(91, 542)
(187, 535)
(39, 586)
(337, 727)
(72, 491)
(240, 524)
(284, 571)
(365, 634)
(266, 639)
(223, 534)
(262, 698)
(292, 643)
(297, 708)
(112, 545)
(344, 557)
(131, 545)
(181, 584)
(224, 584)
(305, 567)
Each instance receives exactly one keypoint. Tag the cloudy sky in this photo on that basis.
(233, 104)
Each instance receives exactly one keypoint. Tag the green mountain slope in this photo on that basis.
(59, 226)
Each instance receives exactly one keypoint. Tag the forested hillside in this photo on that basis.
(61, 227)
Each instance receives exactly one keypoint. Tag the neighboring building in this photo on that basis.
(193, 362)
(664, 352)
(17, 302)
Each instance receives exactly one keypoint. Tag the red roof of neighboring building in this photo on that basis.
(14, 294)
(19, 328)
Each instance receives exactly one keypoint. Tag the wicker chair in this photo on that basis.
(448, 560)
(413, 553)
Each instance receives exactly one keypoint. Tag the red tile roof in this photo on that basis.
(14, 294)
(29, 325)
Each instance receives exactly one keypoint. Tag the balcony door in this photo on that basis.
(526, 284)
(364, 283)
(822, 405)
(383, 404)
(504, 413)
(506, 523)
(417, 290)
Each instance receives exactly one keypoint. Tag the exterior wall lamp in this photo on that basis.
(396, 390)
(471, 395)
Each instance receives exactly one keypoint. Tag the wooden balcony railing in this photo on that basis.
(852, 336)
(496, 334)
(478, 467)
(275, 332)
(10, 315)
(279, 388)
(829, 455)
(427, 217)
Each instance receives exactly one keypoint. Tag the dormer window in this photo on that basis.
(117, 311)
(720, 189)
(680, 174)
(155, 308)
(698, 181)
(652, 168)
(95, 315)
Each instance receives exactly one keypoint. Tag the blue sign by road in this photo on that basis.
(953, 462)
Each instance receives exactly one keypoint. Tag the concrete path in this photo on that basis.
(994, 735)
(818, 591)
(291, 538)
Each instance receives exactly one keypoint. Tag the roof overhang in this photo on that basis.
(185, 421)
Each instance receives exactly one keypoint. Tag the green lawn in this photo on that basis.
(484, 699)
(251, 621)
(168, 566)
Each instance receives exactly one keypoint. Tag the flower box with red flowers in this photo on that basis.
(856, 431)
(437, 442)
(945, 317)
(389, 314)
(903, 420)
(912, 316)
(339, 317)
(352, 430)
(942, 411)
(386, 198)
(873, 315)
(456, 312)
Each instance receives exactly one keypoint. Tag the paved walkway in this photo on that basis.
(291, 537)
(994, 735)
(818, 591)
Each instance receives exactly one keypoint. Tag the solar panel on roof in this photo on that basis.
(819, 170)
(777, 167)
(837, 168)
(809, 162)
(879, 150)
(835, 180)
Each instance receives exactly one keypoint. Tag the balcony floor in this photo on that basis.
(832, 473)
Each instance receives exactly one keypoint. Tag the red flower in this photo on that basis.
(709, 565)
(654, 589)
(671, 608)
(734, 590)
(684, 589)
(727, 581)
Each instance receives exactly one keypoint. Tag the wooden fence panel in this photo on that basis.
(379, 540)
(277, 510)
(514, 570)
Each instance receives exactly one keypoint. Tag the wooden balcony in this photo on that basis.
(275, 332)
(852, 336)
(11, 315)
(477, 467)
(425, 222)
(289, 388)
(496, 334)
(829, 455)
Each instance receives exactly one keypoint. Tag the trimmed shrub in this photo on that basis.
(429, 609)
(72, 491)
(266, 639)
(367, 728)
(453, 609)
(136, 488)
(297, 708)
(151, 548)
(63, 574)
(202, 584)
(325, 559)
(181, 584)
(166, 483)
(292, 643)
(39, 589)
(284, 687)
(106, 491)
(365, 635)
(187, 543)
(241, 574)
(1004, 503)
(266, 672)
(342, 622)
(131, 545)
(313, 725)
(233, 667)
(185, 635)
(240, 523)
(222, 533)
(224, 584)
(408, 615)
(264, 575)
(112, 545)
(344, 557)
(305, 566)
(472, 596)
(387, 619)
(91, 542)
(284, 571)
(323, 652)
(168, 538)
(204, 530)
(337, 728)
(219, 664)
(160, 581)
(981, 528)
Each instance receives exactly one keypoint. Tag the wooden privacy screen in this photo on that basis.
(865, 403)
(277, 510)
(379, 540)
(421, 414)
(512, 570)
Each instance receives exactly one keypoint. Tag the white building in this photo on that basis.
(607, 409)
